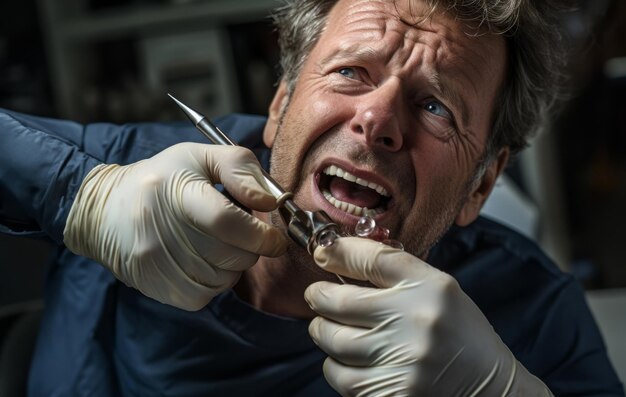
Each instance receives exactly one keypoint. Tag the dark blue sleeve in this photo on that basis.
(43, 161)
(40, 173)
(538, 311)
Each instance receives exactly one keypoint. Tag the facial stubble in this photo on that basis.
(418, 235)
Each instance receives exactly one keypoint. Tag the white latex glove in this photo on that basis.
(418, 334)
(161, 227)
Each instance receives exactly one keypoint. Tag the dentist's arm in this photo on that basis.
(161, 226)
(44, 160)
(158, 224)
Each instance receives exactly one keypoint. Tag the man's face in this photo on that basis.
(404, 108)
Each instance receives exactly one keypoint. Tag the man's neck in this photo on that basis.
(274, 286)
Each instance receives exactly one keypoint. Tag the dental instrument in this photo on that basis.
(307, 228)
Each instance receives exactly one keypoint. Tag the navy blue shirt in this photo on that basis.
(101, 338)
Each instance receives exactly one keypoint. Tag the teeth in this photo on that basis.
(350, 208)
(333, 170)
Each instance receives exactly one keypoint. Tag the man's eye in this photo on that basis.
(347, 72)
(438, 109)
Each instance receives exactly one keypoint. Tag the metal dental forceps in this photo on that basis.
(308, 229)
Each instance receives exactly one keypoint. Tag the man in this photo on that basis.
(401, 110)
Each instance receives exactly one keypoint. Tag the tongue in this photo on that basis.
(354, 193)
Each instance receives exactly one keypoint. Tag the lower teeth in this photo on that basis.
(351, 208)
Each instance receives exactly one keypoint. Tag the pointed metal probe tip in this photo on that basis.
(194, 116)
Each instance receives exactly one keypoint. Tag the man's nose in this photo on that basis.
(377, 116)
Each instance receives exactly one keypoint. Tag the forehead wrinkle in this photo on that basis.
(357, 24)
(383, 48)
(365, 6)
(430, 53)
(366, 17)
(454, 71)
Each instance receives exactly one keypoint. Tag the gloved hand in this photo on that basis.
(418, 334)
(161, 227)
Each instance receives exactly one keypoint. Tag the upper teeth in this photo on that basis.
(333, 170)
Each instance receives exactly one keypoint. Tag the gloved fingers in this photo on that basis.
(195, 295)
(354, 346)
(178, 287)
(216, 253)
(240, 172)
(369, 260)
(350, 304)
(367, 381)
(215, 215)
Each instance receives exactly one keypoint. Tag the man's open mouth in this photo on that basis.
(351, 194)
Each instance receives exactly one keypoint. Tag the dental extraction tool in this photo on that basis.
(307, 228)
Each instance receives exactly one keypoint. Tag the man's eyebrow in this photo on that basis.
(354, 52)
(449, 94)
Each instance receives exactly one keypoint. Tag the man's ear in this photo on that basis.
(275, 112)
(481, 190)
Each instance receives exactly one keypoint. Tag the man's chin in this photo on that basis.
(309, 271)
(300, 260)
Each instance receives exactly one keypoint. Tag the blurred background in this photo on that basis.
(114, 60)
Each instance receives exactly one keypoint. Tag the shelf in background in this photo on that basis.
(122, 21)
